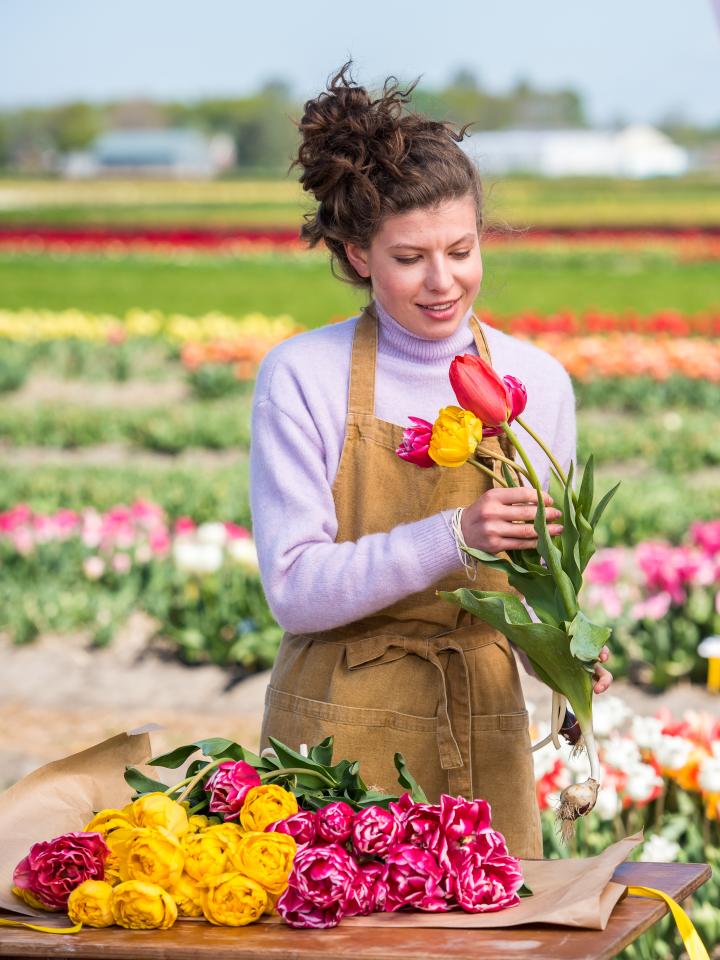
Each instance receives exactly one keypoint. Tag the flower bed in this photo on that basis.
(662, 601)
(86, 570)
(659, 773)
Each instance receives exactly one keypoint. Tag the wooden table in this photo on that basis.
(199, 941)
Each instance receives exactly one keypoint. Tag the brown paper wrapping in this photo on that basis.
(63, 796)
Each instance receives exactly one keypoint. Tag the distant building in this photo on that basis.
(636, 151)
(153, 153)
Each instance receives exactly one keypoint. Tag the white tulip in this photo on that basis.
(672, 753)
(197, 558)
(607, 805)
(659, 849)
(641, 782)
(243, 551)
(647, 732)
(212, 533)
(622, 753)
(609, 713)
(709, 775)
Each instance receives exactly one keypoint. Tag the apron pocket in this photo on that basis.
(369, 735)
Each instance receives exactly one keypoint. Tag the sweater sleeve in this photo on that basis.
(311, 582)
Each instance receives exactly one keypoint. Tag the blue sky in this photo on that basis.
(638, 59)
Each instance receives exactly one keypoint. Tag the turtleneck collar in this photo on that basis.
(396, 340)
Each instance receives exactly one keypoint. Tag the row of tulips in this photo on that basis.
(85, 570)
(662, 601)
(218, 331)
(31, 326)
(662, 774)
(684, 245)
(71, 570)
(571, 323)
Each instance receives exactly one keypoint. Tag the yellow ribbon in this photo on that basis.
(691, 939)
(34, 926)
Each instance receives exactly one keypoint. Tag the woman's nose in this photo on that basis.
(438, 277)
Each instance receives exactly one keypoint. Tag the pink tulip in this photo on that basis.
(416, 442)
(467, 823)
(414, 879)
(374, 831)
(53, 868)
(301, 826)
(481, 886)
(334, 822)
(518, 401)
(420, 823)
(368, 891)
(299, 912)
(229, 785)
(323, 875)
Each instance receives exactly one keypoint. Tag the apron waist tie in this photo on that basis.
(454, 715)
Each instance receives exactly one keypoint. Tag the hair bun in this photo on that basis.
(362, 158)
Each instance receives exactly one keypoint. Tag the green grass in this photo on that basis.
(525, 201)
(305, 288)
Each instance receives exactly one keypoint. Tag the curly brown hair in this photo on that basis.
(364, 159)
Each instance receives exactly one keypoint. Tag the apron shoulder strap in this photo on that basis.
(480, 339)
(361, 394)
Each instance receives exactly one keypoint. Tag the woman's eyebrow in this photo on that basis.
(413, 246)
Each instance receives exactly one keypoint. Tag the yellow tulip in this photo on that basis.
(143, 906)
(232, 900)
(265, 857)
(91, 904)
(265, 804)
(455, 434)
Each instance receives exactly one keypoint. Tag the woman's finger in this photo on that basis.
(520, 495)
(522, 531)
(603, 679)
(526, 512)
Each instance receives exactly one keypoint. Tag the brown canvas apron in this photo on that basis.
(422, 676)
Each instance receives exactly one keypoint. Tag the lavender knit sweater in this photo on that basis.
(298, 425)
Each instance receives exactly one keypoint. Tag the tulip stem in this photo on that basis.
(292, 771)
(548, 452)
(200, 775)
(198, 806)
(498, 456)
(171, 790)
(567, 596)
(488, 471)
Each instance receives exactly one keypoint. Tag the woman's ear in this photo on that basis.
(358, 258)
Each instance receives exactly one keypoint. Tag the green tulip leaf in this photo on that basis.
(322, 752)
(175, 758)
(570, 536)
(407, 780)
(587, 488)
(142, 784)
(587, 638)
(547, 647)
(600, 508)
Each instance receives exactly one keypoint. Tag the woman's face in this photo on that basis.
(425, 266)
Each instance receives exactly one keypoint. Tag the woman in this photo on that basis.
(353, 540)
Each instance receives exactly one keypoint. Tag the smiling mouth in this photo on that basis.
(439, 306)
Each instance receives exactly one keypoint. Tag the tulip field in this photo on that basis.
(132, 322)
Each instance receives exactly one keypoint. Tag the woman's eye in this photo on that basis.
(407, 259)
(461, 254)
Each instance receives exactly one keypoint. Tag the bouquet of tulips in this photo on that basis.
(230, 842)
(432, 857)
(564, 645)
(145, 865)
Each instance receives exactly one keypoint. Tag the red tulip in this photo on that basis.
(415, 443)
(518, 400)
(480, 390)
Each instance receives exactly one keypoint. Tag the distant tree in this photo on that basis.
(75, 125)
(464, 79)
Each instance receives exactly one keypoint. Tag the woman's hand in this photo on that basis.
(603, 677)
(502, 519)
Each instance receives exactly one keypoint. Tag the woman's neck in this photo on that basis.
(396, 340)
